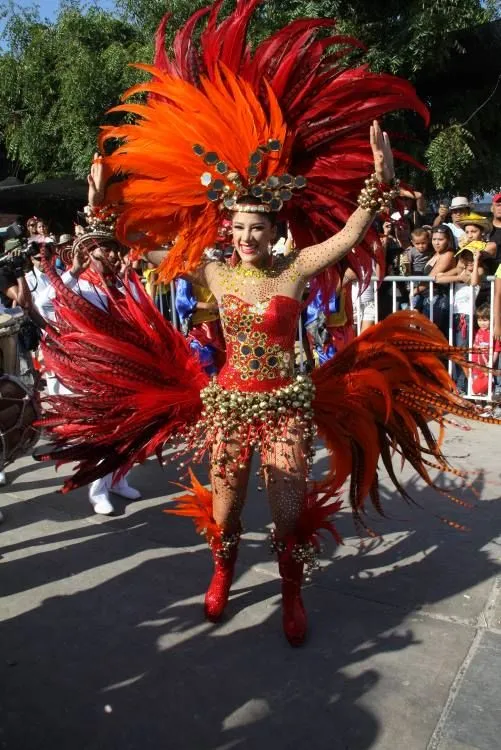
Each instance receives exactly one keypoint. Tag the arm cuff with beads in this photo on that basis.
(377, 196)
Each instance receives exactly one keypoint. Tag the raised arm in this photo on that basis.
(312, 260)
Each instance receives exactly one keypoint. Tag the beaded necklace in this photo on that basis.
(234, 279)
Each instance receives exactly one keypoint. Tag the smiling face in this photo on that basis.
(252, 235)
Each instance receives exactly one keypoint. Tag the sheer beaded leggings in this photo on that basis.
(285, 471)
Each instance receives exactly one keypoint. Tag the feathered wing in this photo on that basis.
(377, 397)
(215, 91)
(133, 379)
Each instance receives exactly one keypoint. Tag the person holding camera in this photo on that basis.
(16, 298)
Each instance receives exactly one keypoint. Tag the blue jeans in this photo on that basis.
(440, 310)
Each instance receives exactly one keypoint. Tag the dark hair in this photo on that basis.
(251, 200)
(483, 311)
(444, 229)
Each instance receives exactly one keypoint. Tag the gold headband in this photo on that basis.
(251, 208)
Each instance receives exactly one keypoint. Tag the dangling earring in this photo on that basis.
(234, 260)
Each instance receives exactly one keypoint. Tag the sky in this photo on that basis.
(48, 8)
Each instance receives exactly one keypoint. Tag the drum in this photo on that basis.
(9, 328)
(19, 409)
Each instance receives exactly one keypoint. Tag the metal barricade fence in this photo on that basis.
(412, 282)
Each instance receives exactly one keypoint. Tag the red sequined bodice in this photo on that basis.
(259, 342)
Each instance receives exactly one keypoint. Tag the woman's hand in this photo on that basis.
(381, 151)
(97, 180)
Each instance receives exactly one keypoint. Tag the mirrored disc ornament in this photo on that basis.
(285, 194)
(300, 182)
(229, 202)
(253, 171)
(213, 195)
(257, 191)
(198, 149)
(211, 157)
(273, 181)
(206, 179)
(274, 145)
(276, 204)
(221, 167)
(287, 179)
(267, 196)
(218, 185)
(256, 158)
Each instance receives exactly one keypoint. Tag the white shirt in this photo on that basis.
(38, 284)
(457, 232)
(462, 298)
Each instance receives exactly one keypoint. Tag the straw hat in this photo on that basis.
(477, 220)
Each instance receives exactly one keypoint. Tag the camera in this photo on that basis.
(17, 252)
(11, 232)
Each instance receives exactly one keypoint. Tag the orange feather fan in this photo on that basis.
(162, 195)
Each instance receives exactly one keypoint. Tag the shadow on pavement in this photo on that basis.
(125, 660)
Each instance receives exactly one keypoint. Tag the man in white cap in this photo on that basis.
(458, 209)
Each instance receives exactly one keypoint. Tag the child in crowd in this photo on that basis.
(466, 277)
(420, 253)
(483, 342)
(440, 262)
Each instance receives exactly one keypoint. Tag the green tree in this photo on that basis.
(56, 82)
(58, 79)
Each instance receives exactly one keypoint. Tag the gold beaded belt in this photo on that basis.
(232, 408)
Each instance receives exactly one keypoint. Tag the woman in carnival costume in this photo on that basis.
(280, 131)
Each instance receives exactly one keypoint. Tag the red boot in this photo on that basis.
(224, 551)
(293, 612)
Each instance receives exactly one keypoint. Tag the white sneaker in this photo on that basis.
(3, 479)
(98, 496)
(123, 489)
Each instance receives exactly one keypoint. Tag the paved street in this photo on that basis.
(103, 645)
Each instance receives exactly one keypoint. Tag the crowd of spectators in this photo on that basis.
(454, 251)
(457, 252)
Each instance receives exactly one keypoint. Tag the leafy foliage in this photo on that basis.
(56, 83)
(57, 79)
(449, 155)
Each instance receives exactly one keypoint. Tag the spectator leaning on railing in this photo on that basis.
(466, 277)
(442, 260)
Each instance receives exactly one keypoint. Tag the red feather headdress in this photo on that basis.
(217, 106)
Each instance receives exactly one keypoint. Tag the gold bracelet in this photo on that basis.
(377, 196)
